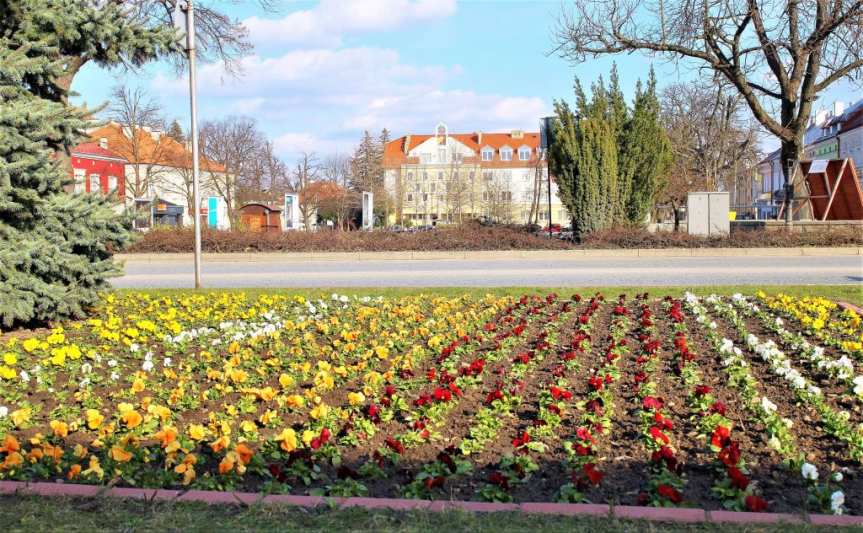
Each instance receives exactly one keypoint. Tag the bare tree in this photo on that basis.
(778, 54)
(337, 169)
(234, 143)
(140, 118)
(456, 190)
(711, 135)
(219, 37)
(306, 173)
(497, 197)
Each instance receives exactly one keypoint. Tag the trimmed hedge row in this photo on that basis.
(469, 237)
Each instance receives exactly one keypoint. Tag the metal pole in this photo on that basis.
(789, 193)
(196, 189)
(549, 203)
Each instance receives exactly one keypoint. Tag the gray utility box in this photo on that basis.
(707, 213)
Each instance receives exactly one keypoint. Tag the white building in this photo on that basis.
(836, 133)
(452, 177)
(158, 178)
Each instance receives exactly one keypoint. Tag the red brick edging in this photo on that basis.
(658, 514)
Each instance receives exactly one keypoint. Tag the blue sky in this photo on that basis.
(322, 72)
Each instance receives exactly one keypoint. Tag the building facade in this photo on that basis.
(158, 174)
(835, 133)
(454, 177)
(95, 169)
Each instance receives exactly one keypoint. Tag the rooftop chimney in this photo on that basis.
(479, 137)
(103, 143)
(407, 144)
(517, 134)
(838, 108)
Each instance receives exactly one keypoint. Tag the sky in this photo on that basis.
(323, 72)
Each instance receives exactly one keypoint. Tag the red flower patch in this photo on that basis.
(755, 504)
(670, 493)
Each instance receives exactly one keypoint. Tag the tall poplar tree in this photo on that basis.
(55, 247)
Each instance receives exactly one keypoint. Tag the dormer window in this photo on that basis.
(524, 153)
(487, 153)
(506, 153)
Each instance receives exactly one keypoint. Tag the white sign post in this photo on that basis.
(368, 211)
(292, 211)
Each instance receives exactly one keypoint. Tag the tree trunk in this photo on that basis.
(791, 152)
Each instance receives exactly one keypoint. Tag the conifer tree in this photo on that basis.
(645, 151)
(55, 247)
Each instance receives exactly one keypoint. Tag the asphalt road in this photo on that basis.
(606, 271)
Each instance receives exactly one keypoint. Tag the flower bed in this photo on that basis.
(717, 403)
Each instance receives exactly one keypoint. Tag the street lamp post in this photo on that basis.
(187, 7)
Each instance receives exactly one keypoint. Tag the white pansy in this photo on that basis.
(712, 325)
(808, 471)
(86, 368)
(112, 363)
(858, 385)
(767, 405)
(167, 361)
(838, 477)
(3, 411)
(134, 347)
(147, 366)
(837, 500)
(115, 376)
(25, 377)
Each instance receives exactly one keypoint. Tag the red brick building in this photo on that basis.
(96, 169)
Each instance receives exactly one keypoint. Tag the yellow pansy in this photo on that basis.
(197, 431)
(356, 398)
(60, 429)
(319, 412)
(287, 440)
(94, 418)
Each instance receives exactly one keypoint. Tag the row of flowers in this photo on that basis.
(765, 411)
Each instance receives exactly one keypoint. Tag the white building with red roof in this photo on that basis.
(452, 177)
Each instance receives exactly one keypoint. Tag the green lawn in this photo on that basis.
(849, 293)
(27, 514)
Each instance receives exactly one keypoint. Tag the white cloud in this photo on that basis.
(327, 22)
(321, 100)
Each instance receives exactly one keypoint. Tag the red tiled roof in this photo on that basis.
(394, 151)
(164, 151)
(91, 148)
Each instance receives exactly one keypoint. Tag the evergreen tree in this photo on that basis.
(55, 247)
(583, 159)
(645, 153)
(175, 131)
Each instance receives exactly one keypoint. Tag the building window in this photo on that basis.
(112, 184)
(410, 175)
(484, 196)
(471, 175)
(506, 154)
(486, 175)
(410, 197)
(487, 154)
(433, 187)
(79, 180)
(95, 185)
(425, 175)
(458, 157)
(524, 153)
(506, 196)
(441, 155)
(425, 197)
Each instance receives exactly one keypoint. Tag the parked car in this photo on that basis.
(555, 228)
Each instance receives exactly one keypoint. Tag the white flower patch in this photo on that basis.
(767, 405)
(4, 411)
(809, 472)
(837, 502)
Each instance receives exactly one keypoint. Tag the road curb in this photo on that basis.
(573, 254)
(652, 514)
